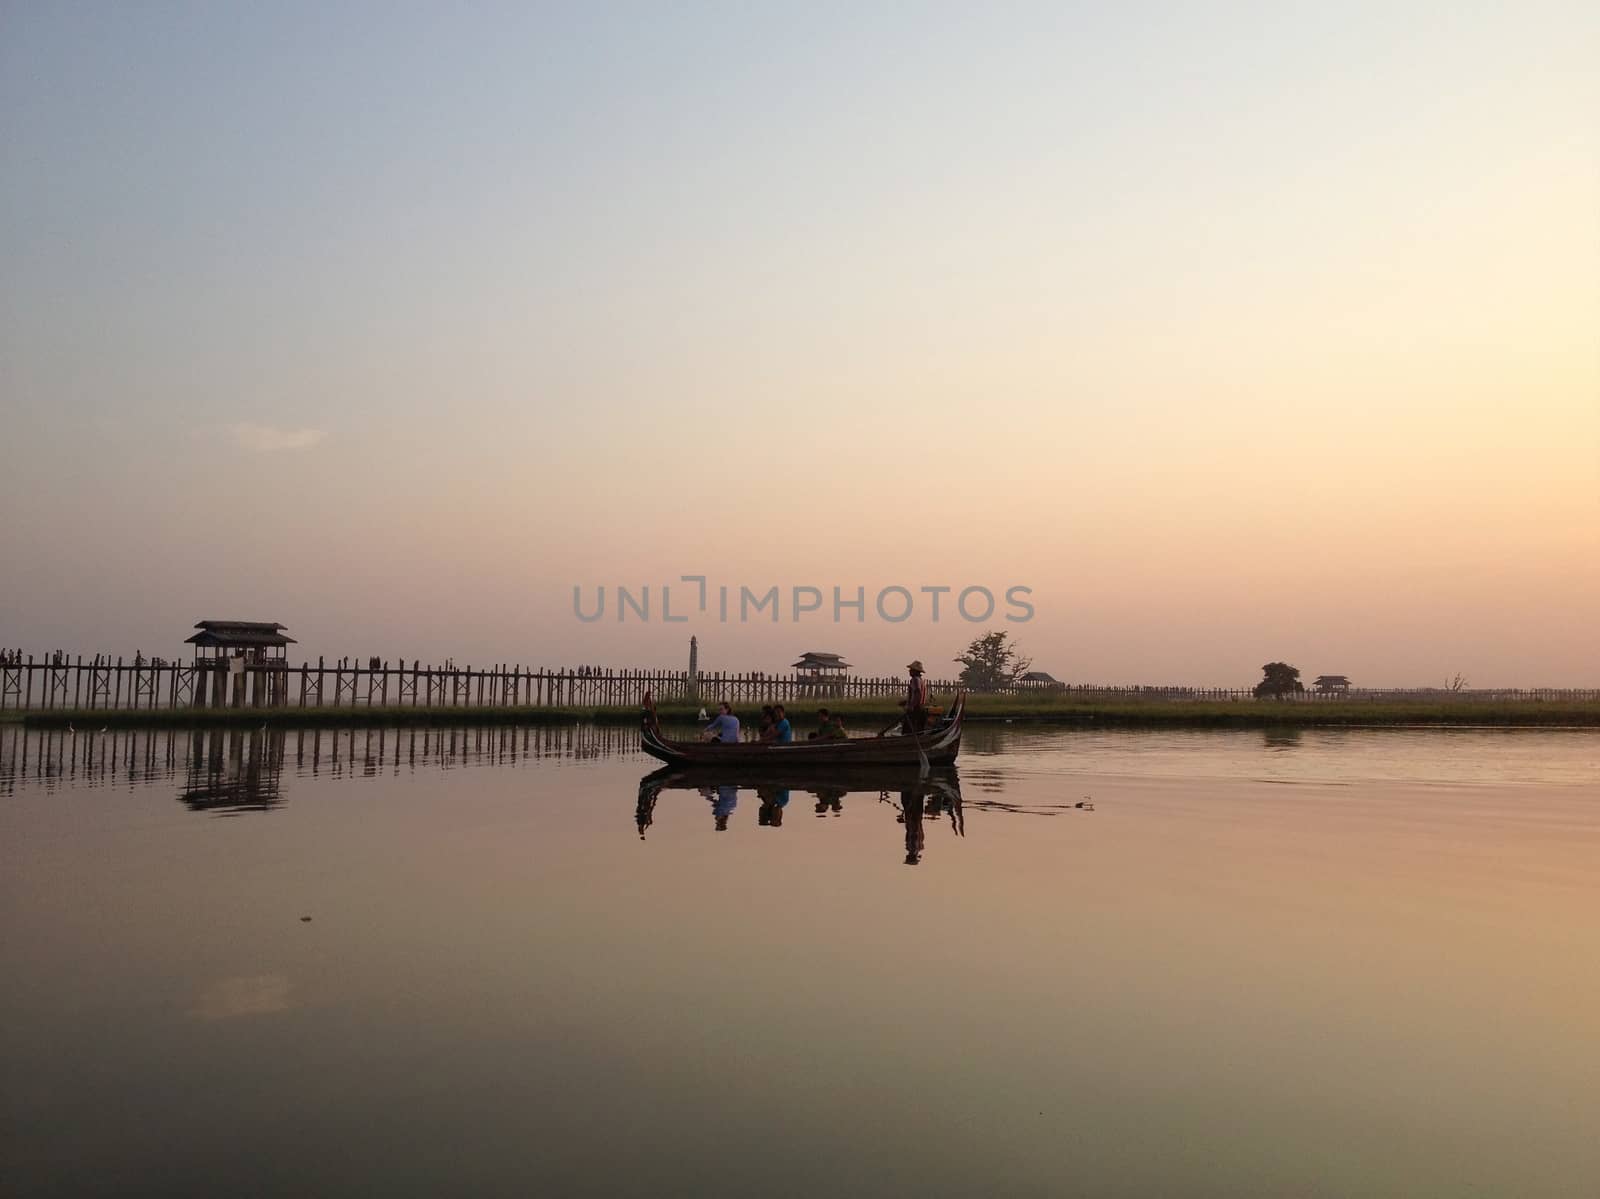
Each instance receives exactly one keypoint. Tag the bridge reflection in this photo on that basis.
(233, 770)
(229, 772)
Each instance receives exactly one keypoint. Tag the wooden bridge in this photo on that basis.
(57, 682)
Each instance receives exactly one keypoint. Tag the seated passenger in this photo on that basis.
(724, 727)
(782, 733)
(822, 725)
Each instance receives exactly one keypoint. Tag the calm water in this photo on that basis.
(1333, 963)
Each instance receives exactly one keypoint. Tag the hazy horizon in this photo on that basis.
(1237, 335)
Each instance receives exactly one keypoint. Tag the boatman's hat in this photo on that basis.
(915, 665)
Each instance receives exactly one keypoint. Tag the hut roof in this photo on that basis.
(816, 658)
(1333, 678)
(228, 634)
(1038, 676)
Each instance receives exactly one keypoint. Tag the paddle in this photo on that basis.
(916, 738)
(922, 756)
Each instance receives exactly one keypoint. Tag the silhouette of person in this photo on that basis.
(773, 802)
(726, 800)
(830, 799)
(911, 813)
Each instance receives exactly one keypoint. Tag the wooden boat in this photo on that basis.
(939, 745)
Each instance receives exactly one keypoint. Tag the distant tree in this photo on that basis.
(1459, 683)
(992, 662)
(1278, 679)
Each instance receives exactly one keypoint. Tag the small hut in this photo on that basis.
(1332, 684)
(821, 675)
(817, 666)
(252, 640)
(1041, 680)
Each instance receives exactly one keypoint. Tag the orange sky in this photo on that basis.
(1236, 339)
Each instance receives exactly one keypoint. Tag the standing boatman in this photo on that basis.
(917, 698)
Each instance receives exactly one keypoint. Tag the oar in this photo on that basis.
(916, 737)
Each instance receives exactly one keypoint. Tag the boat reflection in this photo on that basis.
(917, 801)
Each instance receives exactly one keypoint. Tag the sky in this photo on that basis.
(1234, 333)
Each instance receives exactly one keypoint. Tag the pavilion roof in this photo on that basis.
(242, 634)
(813, 657)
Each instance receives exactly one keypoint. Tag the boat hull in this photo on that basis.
(938, 745)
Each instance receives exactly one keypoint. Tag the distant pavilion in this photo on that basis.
(255, 641)
(821, 675)
(1332, 684)
(820, 667)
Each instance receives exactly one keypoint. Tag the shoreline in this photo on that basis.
(868, 716)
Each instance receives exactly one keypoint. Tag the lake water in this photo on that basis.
(1329, 963)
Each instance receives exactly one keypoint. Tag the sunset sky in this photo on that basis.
(1237, 333)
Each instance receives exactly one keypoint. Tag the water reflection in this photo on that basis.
(230, 773)
(918, 807)
(1246, 980)
(916, 802)
(252, 770)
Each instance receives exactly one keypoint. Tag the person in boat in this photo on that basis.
(724, 726)
(917, 698)
(781, 732)
(829, 728)
(764, 730)
(823, 724)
